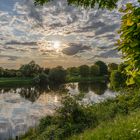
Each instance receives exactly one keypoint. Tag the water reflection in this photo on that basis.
(98, 88)
(83, 87)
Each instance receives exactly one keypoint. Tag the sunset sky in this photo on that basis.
(56, 34)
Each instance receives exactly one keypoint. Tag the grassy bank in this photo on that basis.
(20, 81)
(5, 82)
(121, 128)
(86, 79)
(73, 118)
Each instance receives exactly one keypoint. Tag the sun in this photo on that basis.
(56, 45)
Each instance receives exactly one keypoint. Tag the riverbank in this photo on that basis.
(111, 119)
(20, 81)
(14, 81)
(87, 79)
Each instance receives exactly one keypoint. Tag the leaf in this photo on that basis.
(129, 22)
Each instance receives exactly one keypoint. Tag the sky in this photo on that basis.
(56, 34)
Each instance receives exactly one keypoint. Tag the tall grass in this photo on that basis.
(121, 128)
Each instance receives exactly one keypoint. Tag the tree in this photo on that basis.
(117, 80)
(129, 43)
(46, 70)
(31, 69)
(112, 66)
(84, 71)
(42, 79)
(94, 70)
(57, 75)
(73, 71)
(109, 4)
(103, 67)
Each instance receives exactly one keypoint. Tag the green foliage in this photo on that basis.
(117, 80)
(122, 67)
(109, 4)
(57, 75)
(84, 71)
(129, 43)
(103, 67)
(41, 79)
(94, 70)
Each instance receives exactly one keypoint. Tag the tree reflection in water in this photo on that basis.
(83, 87)
(32, 93)
(98, 87)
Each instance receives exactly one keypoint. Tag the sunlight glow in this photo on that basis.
(56, 45)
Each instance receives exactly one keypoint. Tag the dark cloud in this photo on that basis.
(33, 11)
(108, 54)
(111, 53)
(93, 25)
(75, 48)
(107, 28)
(109, 47)
(54, 25)
(13, 42)
(108, 36)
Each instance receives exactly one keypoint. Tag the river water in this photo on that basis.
(23, 107)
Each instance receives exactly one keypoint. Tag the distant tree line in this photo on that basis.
(58, 75)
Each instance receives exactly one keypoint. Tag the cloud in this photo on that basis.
(75, 48)
(32, 10)
(108, 54)
(13, 42)
(10, 57)
(107, 28)
(23, 24)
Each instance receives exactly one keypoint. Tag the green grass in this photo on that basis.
(15, 81)
(85, 79)
(121, 128)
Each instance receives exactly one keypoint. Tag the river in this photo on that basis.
(23, 107)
